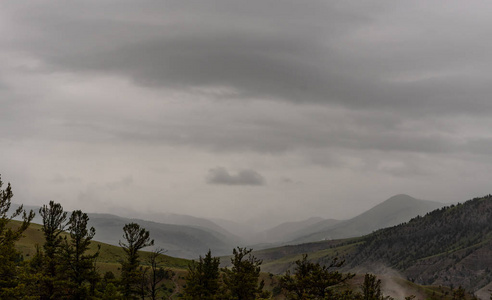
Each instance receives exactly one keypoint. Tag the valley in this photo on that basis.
(446, 247)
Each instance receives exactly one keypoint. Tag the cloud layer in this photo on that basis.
(356, 100)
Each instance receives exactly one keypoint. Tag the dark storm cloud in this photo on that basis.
(365, 55)
(244, 177)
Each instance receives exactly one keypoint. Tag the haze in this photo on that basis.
(245, 109)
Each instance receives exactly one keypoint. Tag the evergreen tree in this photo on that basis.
(79, 264)
(312, 280)
(202, 280)
(242, 279)
(371, 288)
(10, 283)
(53, 283)
(136, 239)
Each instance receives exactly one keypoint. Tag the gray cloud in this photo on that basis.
(232, 132)
(363, 56)
(244, 177)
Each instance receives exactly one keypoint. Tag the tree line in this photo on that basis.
(241, 281)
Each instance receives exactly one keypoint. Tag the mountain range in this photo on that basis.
(188, 237)
(395, 210)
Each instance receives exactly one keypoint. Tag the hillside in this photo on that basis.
(450, 246)
(246, 232)
(288, 230)
(187, 220)
(179, 240)
(395, 210)
(108, 259)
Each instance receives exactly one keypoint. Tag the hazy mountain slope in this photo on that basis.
(179, 240)
(288, 230)
(246, 232)
(178, 219)
(314, 228)
(448, 246)
(395, 210)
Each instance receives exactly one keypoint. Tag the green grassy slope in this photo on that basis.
(109, 256)
(185, 241)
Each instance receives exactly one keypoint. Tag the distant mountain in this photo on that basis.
(289, 230)
(181, 241)
(246, 232)
(397, 209)
(188, 237)
(312, 228)
(186, 220)
(448, 246)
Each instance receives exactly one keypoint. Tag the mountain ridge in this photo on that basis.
(449, 246)
(180, 241)
(396, 209)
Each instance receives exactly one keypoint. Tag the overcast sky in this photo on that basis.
(282, 109)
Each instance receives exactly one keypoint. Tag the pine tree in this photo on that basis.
(202, 280)
(371, 288)
(242, 279)
(53, 283)
(10, 283)
(312, 280)
(136, 239)
(79, 265)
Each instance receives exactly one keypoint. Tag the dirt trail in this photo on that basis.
(177, 288)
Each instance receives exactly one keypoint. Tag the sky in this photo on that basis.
(255, 110)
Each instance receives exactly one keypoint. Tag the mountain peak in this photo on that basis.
(400, 197)
(393, 211)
